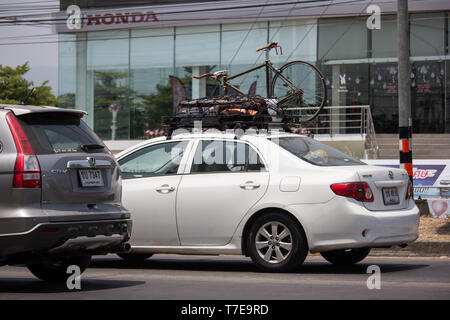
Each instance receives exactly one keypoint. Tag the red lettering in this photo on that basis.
(136, 15)
(122, 18)
(91, 18)
(151, 16)
(110, 18)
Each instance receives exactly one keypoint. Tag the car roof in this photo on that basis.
(20, 109)
(210, 135)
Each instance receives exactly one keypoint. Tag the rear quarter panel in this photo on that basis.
(16, 205)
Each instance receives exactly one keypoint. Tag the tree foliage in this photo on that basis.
(153, 106)
(15, 89)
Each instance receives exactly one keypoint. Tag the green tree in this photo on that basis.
(66, 101)
(153, 106)
(15, 89)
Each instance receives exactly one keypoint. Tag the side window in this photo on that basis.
(225, 156)
(157, 160)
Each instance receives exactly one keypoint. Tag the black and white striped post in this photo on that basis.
(404, 88)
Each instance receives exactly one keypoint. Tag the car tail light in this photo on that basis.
(27, 173)
(409, 190)
(357, 190)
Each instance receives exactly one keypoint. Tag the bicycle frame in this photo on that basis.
(268, 66)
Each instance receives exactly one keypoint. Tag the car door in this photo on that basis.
(150, 182)
(226, 179)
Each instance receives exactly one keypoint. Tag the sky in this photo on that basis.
(42, 57)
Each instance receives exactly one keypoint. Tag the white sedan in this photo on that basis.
(273, 197)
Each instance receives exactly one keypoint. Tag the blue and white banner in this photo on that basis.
(426, 175)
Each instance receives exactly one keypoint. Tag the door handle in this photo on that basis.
(165, 188)
(249, 185)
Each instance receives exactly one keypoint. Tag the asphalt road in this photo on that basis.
(235, 277)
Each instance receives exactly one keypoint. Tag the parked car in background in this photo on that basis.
(273, 197)
(60, 192)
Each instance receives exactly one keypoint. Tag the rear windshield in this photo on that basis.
(315, 152)
(60, 132)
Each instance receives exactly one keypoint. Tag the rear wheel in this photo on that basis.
(54, 269)
(135, 257)
(300, 85)
(346, 257)
(276, 243)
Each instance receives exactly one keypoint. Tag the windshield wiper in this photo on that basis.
(86, 147)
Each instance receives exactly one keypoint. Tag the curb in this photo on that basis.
(418, 248)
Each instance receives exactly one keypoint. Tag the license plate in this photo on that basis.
(91, 178)
(390, 196)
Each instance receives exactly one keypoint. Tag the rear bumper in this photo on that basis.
(75, 237)
(339, 224)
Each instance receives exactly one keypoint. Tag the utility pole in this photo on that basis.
(404, 88)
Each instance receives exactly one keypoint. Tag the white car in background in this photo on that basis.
(273, 197)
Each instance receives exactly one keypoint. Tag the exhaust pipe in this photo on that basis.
(121, 248)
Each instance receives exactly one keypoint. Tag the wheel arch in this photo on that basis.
(261, 212)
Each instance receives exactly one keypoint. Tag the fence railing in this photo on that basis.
(343, 120)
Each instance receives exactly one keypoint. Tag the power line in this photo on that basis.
(246, 36)
(198, 10)
(296, 23)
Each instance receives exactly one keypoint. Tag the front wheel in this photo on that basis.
(54, 269)
(346, 257)
(276, 243)
(300, 85)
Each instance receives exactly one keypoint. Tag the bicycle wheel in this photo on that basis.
(300, 85)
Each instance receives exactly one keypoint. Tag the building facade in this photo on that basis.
(118, 64)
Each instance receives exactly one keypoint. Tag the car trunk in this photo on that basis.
(77, 170)
(389, 186)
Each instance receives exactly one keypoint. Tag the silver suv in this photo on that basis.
(60, 192)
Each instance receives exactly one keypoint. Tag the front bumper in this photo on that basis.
(339, 224)
(76, 237)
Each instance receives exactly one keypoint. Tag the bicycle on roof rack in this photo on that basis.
(297, 85)
(298, 88)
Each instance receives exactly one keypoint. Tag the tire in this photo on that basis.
(135, 257)
(346, 257)
(310, 80)
(54, 269)
(291, 233)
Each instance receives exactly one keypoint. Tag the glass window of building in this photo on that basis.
(427, 34)
(344, 38)
(298, 39)
(151, 64)
(197, 51)
(384, 97)
(108, 66)
(67, 71)
(384, 40)
(428, 96)
(239, 44)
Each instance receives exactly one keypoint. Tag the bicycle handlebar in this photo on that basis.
(203, 76)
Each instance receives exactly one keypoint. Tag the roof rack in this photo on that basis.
(224, 113)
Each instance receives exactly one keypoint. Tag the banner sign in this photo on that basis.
(76, 19)
(426, 175)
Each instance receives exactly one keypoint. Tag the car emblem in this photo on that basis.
(91, 161)
(391, 174)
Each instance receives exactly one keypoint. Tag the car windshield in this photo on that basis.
(60, 132)
(315, 152)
